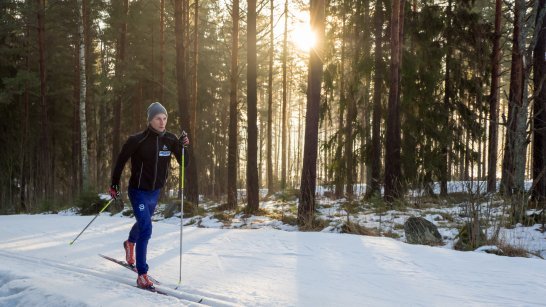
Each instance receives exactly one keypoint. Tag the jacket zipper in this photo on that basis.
(140, 177)
(156, 160)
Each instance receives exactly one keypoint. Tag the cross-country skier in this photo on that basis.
(150, 152)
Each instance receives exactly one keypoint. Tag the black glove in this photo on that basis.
(183, 139)
(114, 191)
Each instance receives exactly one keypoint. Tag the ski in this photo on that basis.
(155, 281)
(128, 266)
(153, 289)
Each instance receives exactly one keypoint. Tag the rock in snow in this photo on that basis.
(420, 231)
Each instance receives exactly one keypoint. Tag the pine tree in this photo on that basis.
(233, 114)
(270, 184)
(393, 183)
(514, 154)
(376, 121)
(539, 106)
(252, 180)
(494, 101)
(284, 127)
(306, 208)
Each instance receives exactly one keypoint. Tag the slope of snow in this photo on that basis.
(263, 267)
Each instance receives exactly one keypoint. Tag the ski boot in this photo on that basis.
(129, 253)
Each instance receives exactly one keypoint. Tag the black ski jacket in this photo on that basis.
(150, 154)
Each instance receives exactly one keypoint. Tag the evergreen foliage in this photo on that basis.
(444, 93)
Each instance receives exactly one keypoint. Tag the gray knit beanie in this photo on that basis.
(154, 109)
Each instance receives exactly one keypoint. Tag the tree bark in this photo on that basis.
(354, 97)
(513, 155)
(378, 81)
(45, 152)
(270, 183)
(162, 51)
(183, 96)
(340, 161)
(192, 176)
(393, 184)
(252, 100)
(233, 114)
(23, 195)
(539, 106)
(123, 5)
(194, 67)
(83, 91)
(104, 111)
(90, 103)
(306, 208)
(444, 170)
(284, 97)
(494, 102)
(76, 135)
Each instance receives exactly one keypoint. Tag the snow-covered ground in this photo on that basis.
(250, 267)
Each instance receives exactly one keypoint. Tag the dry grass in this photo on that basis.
(224, 207)
(513, 251)
(355, 228)
(314, 225)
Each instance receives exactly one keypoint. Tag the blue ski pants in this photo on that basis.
(144, 203)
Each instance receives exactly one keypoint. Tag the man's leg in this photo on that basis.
(139, 201)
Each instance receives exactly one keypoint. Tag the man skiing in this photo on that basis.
(150, 153)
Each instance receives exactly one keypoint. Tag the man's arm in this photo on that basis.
(126, 151)
(177, 150)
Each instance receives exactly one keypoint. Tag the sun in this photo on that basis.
(303, 37)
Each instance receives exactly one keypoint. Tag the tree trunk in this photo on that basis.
(23, 196)
(233, 117)
(184, 108)
(494, 102)
(45, 151)
(192, 176)
(393, 184)
(539, 119)
(306, 208)
(365, 108)
(378, 81)
(90, 107)
(270, 185)
(76, 134)
(513, 155)
(120, 59)
(284, 97)
(444, 170)
(352, 103)
(83, 91)
(340, 161)
(103, 112)
(252, 100)
(193, 112)
(162, 51)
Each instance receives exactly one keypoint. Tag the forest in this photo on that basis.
(372, 100)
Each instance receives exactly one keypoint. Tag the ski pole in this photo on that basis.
(182, 173)
(103, 208)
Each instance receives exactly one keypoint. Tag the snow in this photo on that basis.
(452, 186)
(249, 267)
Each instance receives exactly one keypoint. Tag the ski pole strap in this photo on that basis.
(97, 215)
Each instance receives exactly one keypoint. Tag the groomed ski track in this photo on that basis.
(110, 280)
(262, 267)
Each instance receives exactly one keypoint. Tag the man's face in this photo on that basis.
(159, 122)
